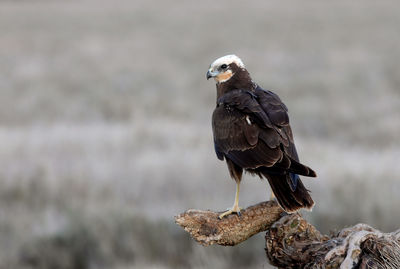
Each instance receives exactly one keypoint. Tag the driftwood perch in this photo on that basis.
(292, 242)
(207, 229)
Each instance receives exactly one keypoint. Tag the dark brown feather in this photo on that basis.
(234, 170)
(288, 199)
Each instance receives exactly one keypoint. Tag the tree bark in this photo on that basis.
(292, 242)
(207, 229)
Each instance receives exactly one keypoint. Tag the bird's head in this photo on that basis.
(222, 69)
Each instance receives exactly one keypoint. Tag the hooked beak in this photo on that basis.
(211, 74)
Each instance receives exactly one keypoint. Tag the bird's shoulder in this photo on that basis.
(276, 110)
(238, 98)
(264, 105)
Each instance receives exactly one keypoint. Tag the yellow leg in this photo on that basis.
(272, 197)
(235, 208)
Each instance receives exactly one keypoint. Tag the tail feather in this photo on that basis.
(290, 200)
(301, 169)
(294, 178)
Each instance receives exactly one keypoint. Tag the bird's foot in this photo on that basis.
(233, 210)
(272, 196)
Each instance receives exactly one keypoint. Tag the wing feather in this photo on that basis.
(252, 129)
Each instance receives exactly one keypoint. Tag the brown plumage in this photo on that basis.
(252, 133)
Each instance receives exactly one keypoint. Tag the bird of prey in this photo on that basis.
(252, 133)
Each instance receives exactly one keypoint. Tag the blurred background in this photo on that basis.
(105, 123)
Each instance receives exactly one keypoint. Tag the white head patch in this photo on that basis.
(228, 59)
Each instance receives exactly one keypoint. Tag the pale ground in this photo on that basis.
(105, 123)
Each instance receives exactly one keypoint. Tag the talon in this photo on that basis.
(284, 214)
(231, 211)
(226, 213)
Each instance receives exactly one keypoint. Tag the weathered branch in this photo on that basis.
(207, 229)
(292, 242)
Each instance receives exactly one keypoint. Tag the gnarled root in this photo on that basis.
(292, 242)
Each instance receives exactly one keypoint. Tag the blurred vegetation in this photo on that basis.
(105, 123)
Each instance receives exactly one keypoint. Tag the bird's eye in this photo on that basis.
(224, 66)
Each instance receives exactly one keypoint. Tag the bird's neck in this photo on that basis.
(240, 80)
